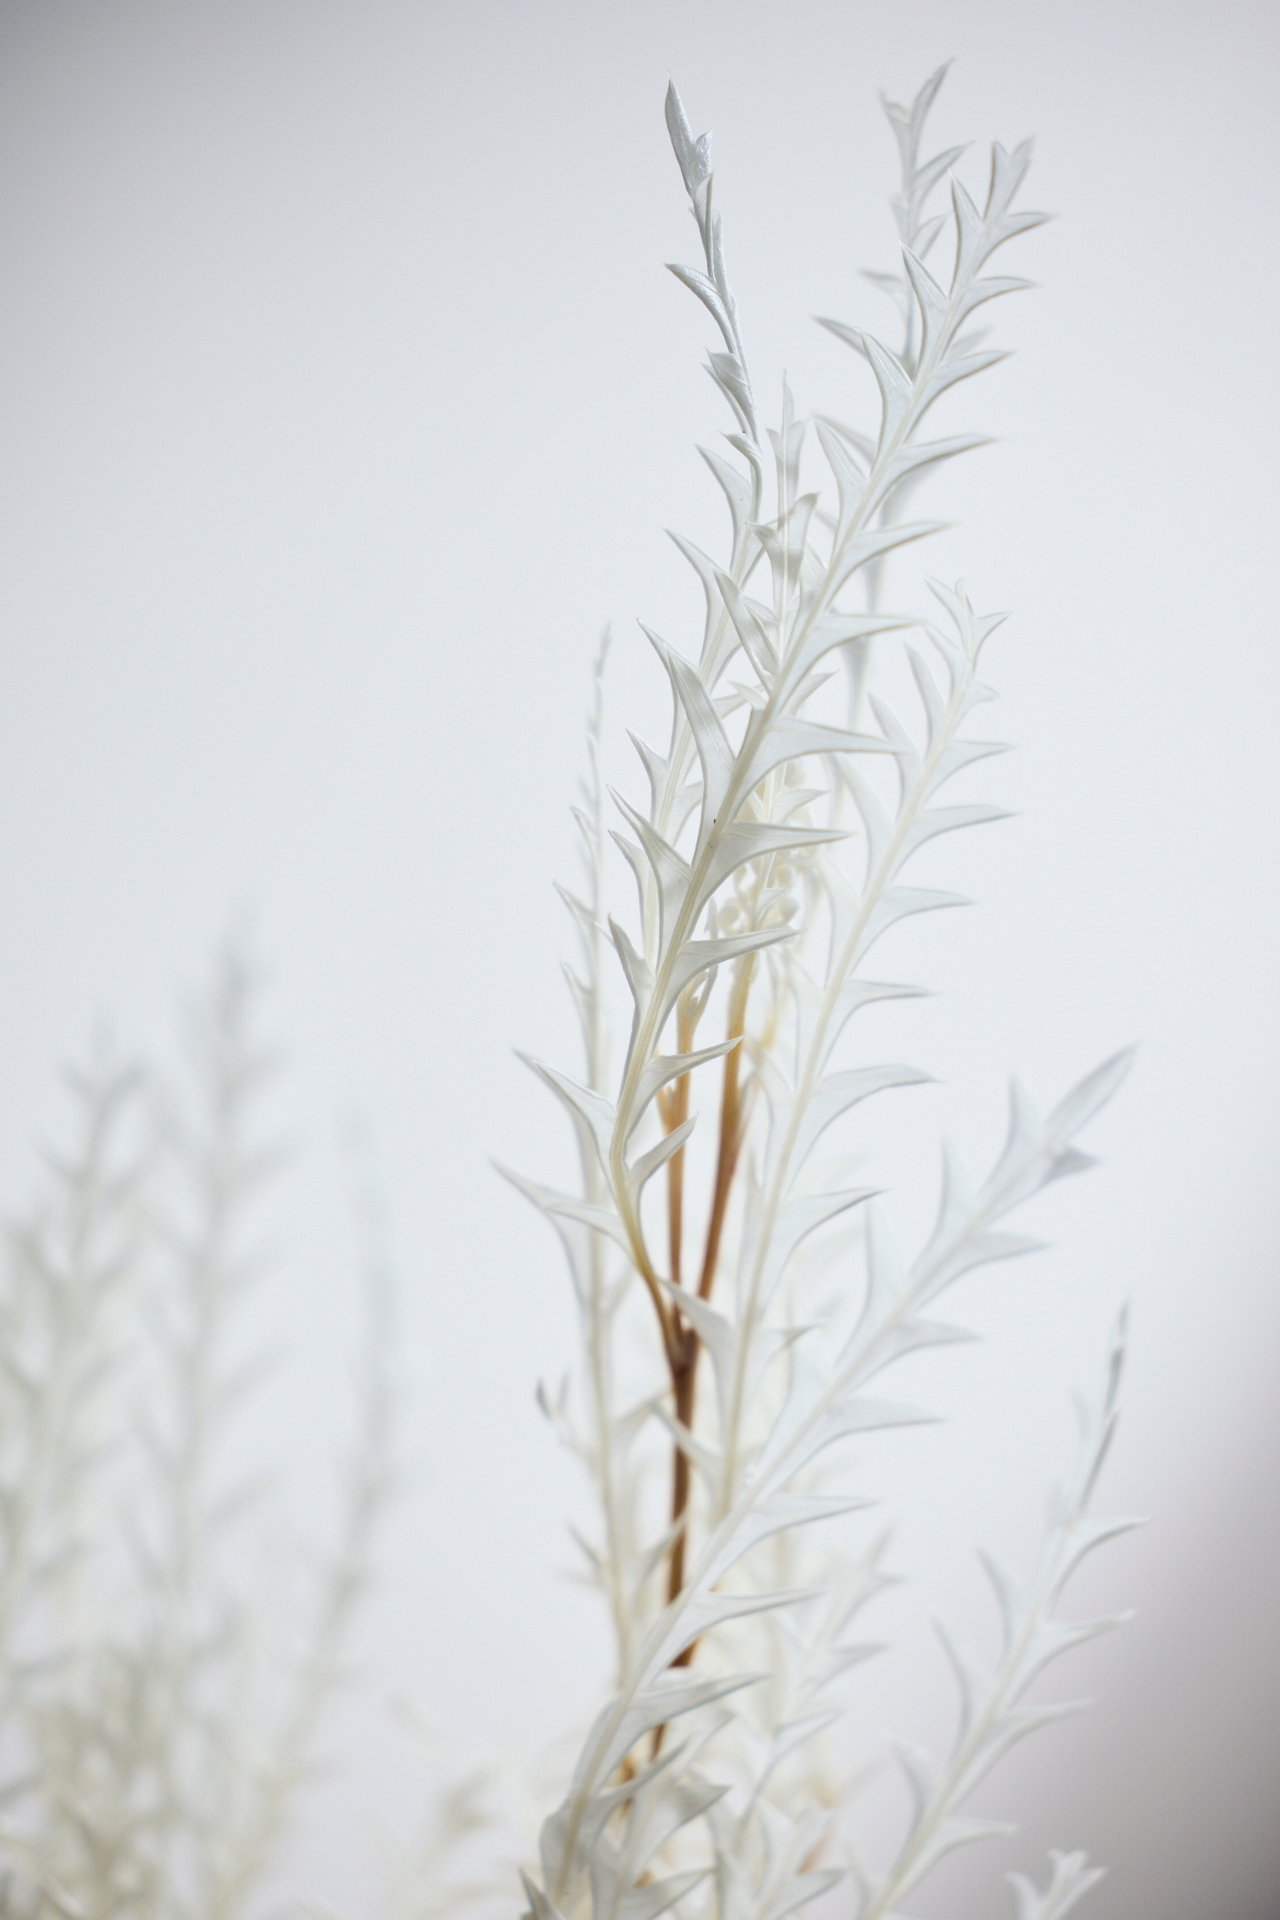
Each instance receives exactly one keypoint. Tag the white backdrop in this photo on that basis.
(344, 399)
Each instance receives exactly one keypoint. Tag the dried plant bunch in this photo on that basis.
(731, 1324)
(163, 1670)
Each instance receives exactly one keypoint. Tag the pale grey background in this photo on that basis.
(344, 398)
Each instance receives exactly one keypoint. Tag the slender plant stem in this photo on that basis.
(730, 1124)
(684, 1375)
(674, 1110)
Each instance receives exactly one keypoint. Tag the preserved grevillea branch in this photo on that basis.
(769, 857)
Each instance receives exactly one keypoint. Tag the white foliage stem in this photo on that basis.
(1024, 1167)
(694, 160)
(212, 1159)
(992, 1728)
(876, 884)
(917, 235)
(921, 391)
(603, 1847)
(901, 415)
(342, 1585)
(70, 1286)
(599, 1307)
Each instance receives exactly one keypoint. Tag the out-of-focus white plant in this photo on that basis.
(162, 1671)
(726, 1330)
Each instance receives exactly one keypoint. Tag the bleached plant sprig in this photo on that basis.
(768, 860)
(155, 1724)
(993, 1717)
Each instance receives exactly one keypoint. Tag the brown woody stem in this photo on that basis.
(683, 1360)
(684, 1372)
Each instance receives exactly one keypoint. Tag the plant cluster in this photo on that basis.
(740, 1288)
(769, 856)
(162, 1670)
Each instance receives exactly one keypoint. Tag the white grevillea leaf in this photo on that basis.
(1070, 1879)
